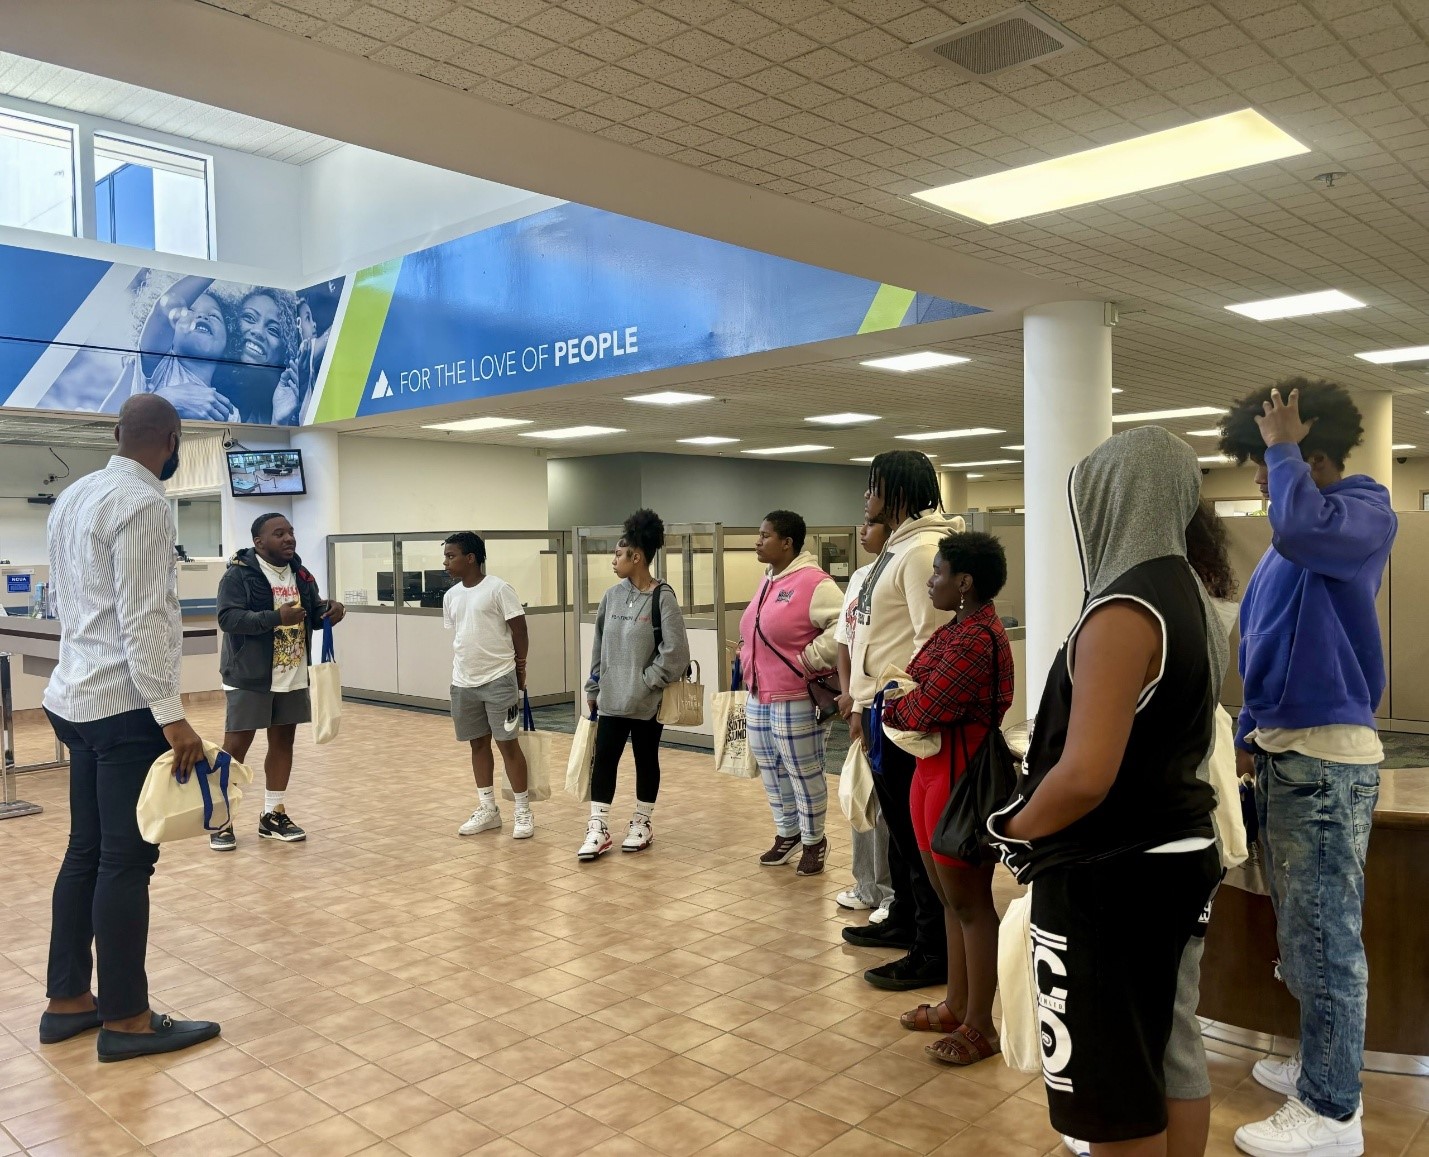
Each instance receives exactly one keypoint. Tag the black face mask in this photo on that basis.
(170, 466)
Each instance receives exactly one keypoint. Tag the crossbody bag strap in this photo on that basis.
(759, 633)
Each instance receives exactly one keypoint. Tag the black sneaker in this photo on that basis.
(785, 849)
(223, 841)
(277, 826)
(916, 970)
(879, 936)
(811, 863)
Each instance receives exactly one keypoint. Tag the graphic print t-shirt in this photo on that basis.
(481, 617)
(290, 651)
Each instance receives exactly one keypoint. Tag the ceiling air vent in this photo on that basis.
(1021, 35)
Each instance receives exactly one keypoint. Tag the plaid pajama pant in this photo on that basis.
(788, 744)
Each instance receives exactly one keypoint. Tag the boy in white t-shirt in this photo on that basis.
(488, 677)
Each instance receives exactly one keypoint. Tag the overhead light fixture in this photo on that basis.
(867, 459)
(849, 418)
(707, 440)
(1404, 446)
(802, 448)
(1199, 149)
(469, 425)
(1018, 448)
(1203, 433)
(985, 462)
(1159, 415)
(572, 432)
(942, 435)
(1216, 460)
(906, 363)
(670, 398)
(1410, 353)
(1299, 305)
(1116, 389)
(973, 477)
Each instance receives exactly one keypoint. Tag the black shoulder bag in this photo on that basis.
(823, 690)
(988, 781)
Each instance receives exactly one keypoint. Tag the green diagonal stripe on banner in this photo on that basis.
(357, 340)
(890, 306)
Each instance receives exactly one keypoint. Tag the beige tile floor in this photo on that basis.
(388, 988)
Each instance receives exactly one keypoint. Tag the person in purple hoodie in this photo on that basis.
(1313, 666)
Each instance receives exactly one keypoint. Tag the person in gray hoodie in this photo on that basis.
(640, 649)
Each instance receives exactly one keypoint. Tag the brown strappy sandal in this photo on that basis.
(963, 1046)
(926, 1018)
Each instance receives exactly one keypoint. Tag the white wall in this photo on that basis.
(399, 484)
(23, 470)
(360, 207)
(256, 204)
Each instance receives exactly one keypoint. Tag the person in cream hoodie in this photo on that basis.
(894, 619)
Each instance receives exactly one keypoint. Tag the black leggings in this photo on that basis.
(611, 732)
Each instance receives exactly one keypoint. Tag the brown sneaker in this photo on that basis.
(785, 849)
(811, 863)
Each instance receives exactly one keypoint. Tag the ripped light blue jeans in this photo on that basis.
(1315, 819)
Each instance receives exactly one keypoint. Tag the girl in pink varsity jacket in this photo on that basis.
(787, 639)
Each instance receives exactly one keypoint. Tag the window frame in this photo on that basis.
(140, 144)
(76, 213)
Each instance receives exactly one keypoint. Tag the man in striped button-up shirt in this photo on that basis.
(114, 702)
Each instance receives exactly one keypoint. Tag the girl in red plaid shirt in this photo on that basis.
(955, 697)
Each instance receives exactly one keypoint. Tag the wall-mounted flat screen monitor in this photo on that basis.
(253, 473)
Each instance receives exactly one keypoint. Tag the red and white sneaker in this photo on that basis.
(597, 840)
(639, 835)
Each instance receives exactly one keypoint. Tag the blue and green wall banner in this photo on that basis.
(566, 295)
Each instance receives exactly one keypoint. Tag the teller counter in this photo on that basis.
(393, 648)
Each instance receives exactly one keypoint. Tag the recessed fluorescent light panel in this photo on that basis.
(572, 432)
(943, 435)
(1158, 415)
(868, 459)
(907, 363)
(986, 462)
(972, 477)
(469, 425)
(1019, 448)
(670, 398)
(1404, 446)
(850, 418)
(1412, 353)
(1203, 433)
(1199, 149)
(1216, 459)
(802, 448)
(707, 440)
(1300, 305)
(1116, 389)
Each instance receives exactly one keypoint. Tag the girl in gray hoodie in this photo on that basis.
(640, 649)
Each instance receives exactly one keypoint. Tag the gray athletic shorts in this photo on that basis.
(259, 710)
(492, 709)
(1184, 1065)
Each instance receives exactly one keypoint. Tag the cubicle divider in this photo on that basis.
(394, 647)
(690, 564)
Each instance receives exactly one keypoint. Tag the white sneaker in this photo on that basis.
(1080, 1148)
(1281, 1075)
(851, 901)
(523, 826)
(483, 819)
(639, 835)
(597, 840)
(1298, 1130)
(879, 915)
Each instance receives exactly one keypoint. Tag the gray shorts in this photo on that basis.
(492, 709)
(259, 710)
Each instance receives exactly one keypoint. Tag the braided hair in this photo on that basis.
(907, 483)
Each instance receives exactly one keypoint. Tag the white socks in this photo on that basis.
(645, 809)
(486, 796)
(522, 800)
(600, 811)
(272, 801)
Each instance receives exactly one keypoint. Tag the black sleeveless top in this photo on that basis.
(1157, 796)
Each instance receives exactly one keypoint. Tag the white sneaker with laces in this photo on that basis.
(851, 901)
(1280, 1074)
(639, 835)
(597, 840)
(1297, 1130)
(523, 826)
(483, 819)
(1080, 1148)
(879, 915)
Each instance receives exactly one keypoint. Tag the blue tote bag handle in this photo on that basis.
(220, 769)
(328, 655)
(736, 676)
(875, 734)
(528, 720)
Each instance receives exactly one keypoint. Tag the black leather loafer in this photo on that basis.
(58, 1026)
(169, 1036)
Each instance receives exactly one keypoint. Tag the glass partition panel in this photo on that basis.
(597, 552)
(529, 565)
(424, 577)
(363, 572)
(835, 552)
(742, 570)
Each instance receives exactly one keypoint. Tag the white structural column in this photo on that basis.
(1066, 413)
(1375, 455)
(317, 513)
(954, 485)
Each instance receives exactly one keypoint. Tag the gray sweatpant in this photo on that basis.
(871, 881)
